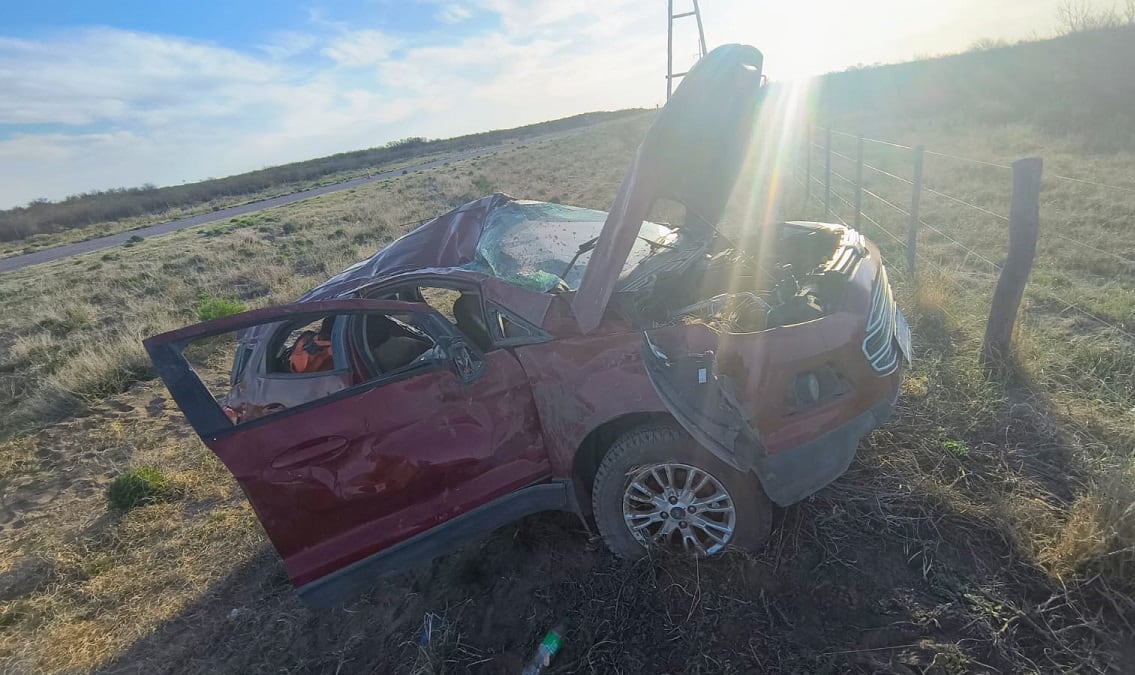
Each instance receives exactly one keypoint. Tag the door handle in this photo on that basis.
(309, 452)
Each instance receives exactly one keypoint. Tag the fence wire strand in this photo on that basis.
(844, 178)
(1125, 261)
(967, 159)
(1068, 305)
(965, 203)
(872, 140)
(887, 173)
(1100, 320)
(890, 234)
(1092, 183)
(962, 246)
(896, 207)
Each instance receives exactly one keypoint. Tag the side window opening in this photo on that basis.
(506, 327)
(302, 348)
(296, 364)
(460, 306)
(441, 299)
(393, 343)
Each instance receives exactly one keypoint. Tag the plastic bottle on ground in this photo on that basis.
(549, 647)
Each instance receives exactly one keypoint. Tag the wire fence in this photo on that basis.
(893, 179)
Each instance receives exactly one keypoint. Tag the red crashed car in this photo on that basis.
(511, 357)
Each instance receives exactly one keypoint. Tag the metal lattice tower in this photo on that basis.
(670, 74)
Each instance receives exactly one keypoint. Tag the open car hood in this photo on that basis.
(692, 154)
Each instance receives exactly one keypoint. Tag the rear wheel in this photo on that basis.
(657, 487)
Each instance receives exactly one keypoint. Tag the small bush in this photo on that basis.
(215, 308)
(484, 185)
(133, 240)
(139, 486)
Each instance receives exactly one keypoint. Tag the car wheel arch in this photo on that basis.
(597, 442)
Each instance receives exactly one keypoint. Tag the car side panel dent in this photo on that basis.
(403, 472)
(581, 382)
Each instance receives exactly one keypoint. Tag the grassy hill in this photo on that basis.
(1075, 85)
(149, 202)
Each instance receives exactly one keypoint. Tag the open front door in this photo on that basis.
(413, 440)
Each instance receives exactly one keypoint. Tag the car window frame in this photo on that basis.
(488, 307)
(417, 282)
(341, 366)
(206, 414)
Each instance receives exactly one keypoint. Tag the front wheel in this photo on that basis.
(657, 487)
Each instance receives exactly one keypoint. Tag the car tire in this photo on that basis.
(642, 455)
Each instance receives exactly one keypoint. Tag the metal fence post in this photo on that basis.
(915, 202)
(828, 175)
(1024, 224)
(858, 180)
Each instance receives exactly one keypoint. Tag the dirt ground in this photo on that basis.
(856, 579)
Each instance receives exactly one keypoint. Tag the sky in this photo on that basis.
(115, 93)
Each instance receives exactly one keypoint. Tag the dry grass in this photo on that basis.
(988, 528)
(47, 240)
(1075, 354)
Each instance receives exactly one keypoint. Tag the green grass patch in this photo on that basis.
(209, 308)
(483, 184)
(139, 486)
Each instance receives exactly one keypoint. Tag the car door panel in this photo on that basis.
(337, 480)
(463, 458)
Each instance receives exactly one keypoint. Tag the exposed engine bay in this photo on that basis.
(797, 276)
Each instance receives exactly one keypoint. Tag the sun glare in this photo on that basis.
(780, 120)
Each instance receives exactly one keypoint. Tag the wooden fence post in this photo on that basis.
(1024, 224)
(915, 202)
(808, 168)
(828, 175)
(858, 180)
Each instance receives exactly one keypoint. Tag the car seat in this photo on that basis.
(397, 352)
(471, 321)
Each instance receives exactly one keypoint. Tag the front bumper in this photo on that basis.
(789, 476)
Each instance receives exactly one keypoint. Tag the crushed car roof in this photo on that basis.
(525, 243)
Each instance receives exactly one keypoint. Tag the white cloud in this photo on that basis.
(104, 74)
(288, 44)
(360, 48)
(453, 13)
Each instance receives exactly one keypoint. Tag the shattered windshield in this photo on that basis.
(530, 244)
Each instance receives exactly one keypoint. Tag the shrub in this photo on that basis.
(139, 486)
(484, 185)
(209, 308)
(133, 240)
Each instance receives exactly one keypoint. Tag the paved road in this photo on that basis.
(57, 252)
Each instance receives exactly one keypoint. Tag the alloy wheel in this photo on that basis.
(681, 507)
